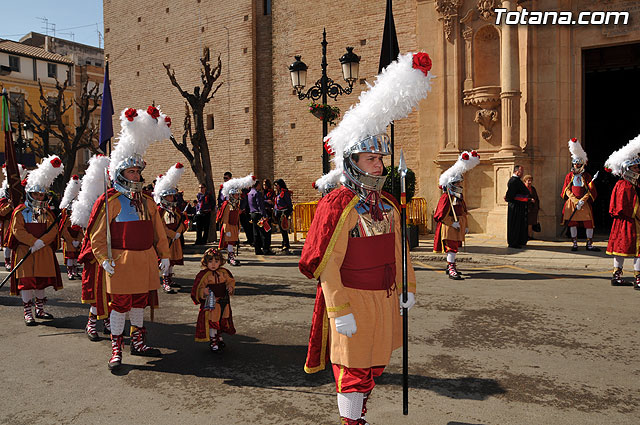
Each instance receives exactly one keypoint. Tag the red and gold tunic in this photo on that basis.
(573, 194)
(222, 283)
(174, 222)
(229, 219)
(624, 239)
(360, 275)
(6, 209)
(40, 270)
(444, 229)
(136, 245)
(69, 234)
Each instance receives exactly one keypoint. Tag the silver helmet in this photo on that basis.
(628, 174)
(163, 200)
(353, 177)
(123, 185)
(577, 165)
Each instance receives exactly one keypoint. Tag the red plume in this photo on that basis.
(75, 177)
(179, 165)
(56, 162)
(465, 156)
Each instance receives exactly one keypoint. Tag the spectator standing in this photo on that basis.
(245, 216)
(517, 197)
(534, 205)
(283, 211)
(204, 207)
(258, 213)
(221, 198)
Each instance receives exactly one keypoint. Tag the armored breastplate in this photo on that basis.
(128, 210)
(28, 215)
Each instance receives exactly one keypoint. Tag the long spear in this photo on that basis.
(402, 169)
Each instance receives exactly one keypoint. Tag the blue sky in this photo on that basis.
(69, 16)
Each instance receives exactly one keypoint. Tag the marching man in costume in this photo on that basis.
(6, 210)
(33, 230)
(624, 207)
(164, 194)
(229, 215)
(580, 192)
(452, 222)
(354, 245)
(127, 234)
(93, 289)
(71, 234)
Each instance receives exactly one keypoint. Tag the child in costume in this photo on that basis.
(229, 214)
(211, 289)
(165, 195)
(71, 234)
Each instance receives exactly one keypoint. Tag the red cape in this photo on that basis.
(442, 210)
(327, 224)
(623, 240)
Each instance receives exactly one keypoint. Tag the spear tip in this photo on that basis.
(402, 166)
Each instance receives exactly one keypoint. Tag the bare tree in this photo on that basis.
(72, 137)
(198, 152)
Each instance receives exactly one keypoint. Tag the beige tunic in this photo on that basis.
(229, 228)
(136, 272)
(176, 247)
(68, 239)
(377, 316)
(41, 263)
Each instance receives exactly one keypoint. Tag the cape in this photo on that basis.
(331, 212)
(86, 254)
(588, 180)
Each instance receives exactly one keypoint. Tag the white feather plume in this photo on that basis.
(136, 136)
(168, 181)
(577, 152)
(629, 151)
(70, 192)
(328, 181)
(396, 92)
(238, 184)
(91, 187)
(466, 161)
(45, 173)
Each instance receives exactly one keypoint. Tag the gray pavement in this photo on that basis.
(529, 337)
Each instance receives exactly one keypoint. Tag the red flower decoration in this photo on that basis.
(221, 186)
(75, 177)
(573, 139)
(253, 177)
(153, 111)
(24, 182)
(99, 154)
(56, 162)
(474, 154)
(179, 165)
(465, 156)
(168, 121)
(130, 113)
(328, 148)
(313, 185)
(608, 170)
(422, 61)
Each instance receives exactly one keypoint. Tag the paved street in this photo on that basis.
(517, 342)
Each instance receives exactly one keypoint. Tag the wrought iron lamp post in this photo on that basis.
(325, 87)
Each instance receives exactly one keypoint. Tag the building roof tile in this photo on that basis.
(9, 46)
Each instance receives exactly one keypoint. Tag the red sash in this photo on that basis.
(234, 217)
(370, 263)
(132, 235)
(36, 229)
(578, 191)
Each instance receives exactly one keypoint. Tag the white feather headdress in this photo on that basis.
(4, 189)
(396, 92)
(91, 187)
(70, 192)
(577, 152)
(628, 152)
(43, 176)
(236, 185)
(139, 128)
(466, 161)
(168, 182)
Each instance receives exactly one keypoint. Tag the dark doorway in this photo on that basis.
(610, 90)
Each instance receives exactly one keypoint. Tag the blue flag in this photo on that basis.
(106, 122)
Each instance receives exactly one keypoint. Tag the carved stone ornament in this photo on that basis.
(486, 118)
(449, 10)
(485, 9)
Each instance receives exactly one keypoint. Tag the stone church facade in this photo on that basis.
(514, 93)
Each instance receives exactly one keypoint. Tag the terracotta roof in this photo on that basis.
(9, 46)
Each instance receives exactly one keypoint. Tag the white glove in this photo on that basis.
(579, 205)
(346, 325)
(456, 225)
(177, 236)
(164, 265)
(109, 266)
(38, 244)
(75, 244)
(411, 300)
(228, 234)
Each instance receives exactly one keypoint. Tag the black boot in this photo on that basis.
(453, 272)
(40, 313)
(138, 346)
(590, 246)
(575, 244)
(636, 284)
(117, 341)
(28, 314)
(90, 329)
(616, 279)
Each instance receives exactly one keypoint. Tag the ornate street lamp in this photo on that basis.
(325, 86)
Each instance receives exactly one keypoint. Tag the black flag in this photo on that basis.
(390, 49)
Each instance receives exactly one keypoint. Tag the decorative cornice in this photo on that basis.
(485, 9)
(449, 11)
